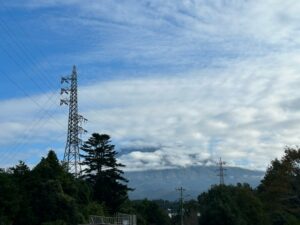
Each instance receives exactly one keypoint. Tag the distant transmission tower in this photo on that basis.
(221, 170)
(181, 190)
(75, 130)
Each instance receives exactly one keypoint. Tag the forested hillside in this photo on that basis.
(161, 184)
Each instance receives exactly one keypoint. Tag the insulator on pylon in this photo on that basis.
(81, 130)
(79, 140)
(64, 102)
(64, 80)
(64, 91)
(82, 119)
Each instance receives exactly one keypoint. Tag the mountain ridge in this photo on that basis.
(161, 183)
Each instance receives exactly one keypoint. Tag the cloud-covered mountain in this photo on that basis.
(161, 184)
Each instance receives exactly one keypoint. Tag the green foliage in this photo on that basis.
(283, 218)
(49, 195)
(149, 213)
(57, 222)
(230, 205)
(279, 194)
(23, 179)
(280, 189)
(191, 210)
(45, 195)
(103, 172)
(9, 199)
(93, 208)
(51, 203)
(55, 192)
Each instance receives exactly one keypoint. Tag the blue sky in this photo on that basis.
(175, 83)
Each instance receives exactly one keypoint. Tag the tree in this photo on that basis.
(280, 188)
(231, 205)
(53, 193)
(47, 194)
(191, 210)
(149, 213)
(103, 172)
(9, 198)
(22, 177)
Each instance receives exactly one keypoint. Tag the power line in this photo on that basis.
(28, 58)
(43, 111)
(26, 51)
(24, 60)
(24, 57)
(26, 73)
(32, 99)
(26, 134)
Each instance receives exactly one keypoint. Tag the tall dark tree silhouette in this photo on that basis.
(280, 188)
(103, 172)
(231, 205)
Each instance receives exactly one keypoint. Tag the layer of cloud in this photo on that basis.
(165, 33)
(212, 79)
(245, 113)
(238, 116)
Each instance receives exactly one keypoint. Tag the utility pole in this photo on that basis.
(71, 155)
(181, 190)
(221, 170)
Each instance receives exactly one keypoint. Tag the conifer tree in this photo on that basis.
(103, 171)
(280, 188)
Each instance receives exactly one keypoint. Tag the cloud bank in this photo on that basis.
(180, 83)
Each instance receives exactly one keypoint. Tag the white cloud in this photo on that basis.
(173, 33)
(243, 111)
(237, 113)
(227, 86)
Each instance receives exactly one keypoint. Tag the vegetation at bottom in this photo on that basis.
(48, 195)
(276, 201)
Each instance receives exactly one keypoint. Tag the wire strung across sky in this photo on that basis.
(19, 53)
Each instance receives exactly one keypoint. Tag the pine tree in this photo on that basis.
(280, 188)
(103, 172)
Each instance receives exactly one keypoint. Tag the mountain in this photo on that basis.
(161, 184)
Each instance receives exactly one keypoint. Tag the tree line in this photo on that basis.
(276, 200)
(48, 194)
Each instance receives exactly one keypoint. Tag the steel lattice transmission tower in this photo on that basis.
(75, 130)
(221, 171)
(181, 190)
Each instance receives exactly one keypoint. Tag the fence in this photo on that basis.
(119, 219)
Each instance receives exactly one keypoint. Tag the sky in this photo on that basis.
(175, 83)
